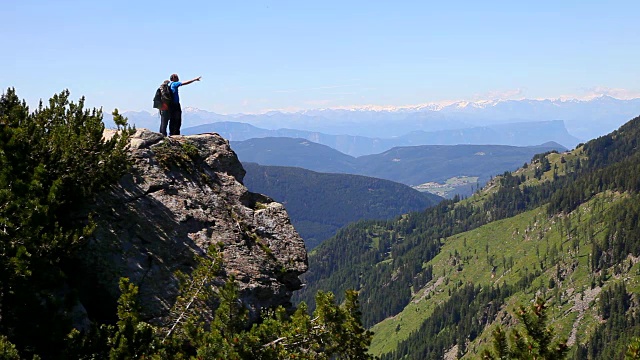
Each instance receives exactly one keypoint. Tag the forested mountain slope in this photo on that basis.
(321, 203)
(294, 152)
(564, 227)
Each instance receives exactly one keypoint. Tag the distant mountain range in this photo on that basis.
(319, 203)
(520, 134)
(413, 165)
(584, 119)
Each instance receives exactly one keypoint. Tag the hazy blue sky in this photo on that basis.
(259, 55)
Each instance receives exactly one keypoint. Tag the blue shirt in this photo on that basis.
(174, 85)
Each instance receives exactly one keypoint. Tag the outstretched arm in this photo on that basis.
(192, 80)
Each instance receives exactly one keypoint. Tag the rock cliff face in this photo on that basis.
(181, 196)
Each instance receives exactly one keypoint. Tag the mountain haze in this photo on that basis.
(515, 134)
(412, 165)
(584, 119)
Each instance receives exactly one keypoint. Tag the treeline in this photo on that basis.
(612, 163)
(466, 313)
(384, 260)
(614, 147)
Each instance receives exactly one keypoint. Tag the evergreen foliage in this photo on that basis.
(8, 351)
(616, 337)
(535, 342)
(355, 258)
(461, 318)
(52, 162)
(334, 331)
(633, 351)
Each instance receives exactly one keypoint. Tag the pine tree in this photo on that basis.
(52, 161)
(535, 342)
(633, 350)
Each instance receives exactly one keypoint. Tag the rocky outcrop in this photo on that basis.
(182, 195)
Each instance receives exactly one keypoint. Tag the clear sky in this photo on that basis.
(260, 55)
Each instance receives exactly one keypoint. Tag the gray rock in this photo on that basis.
(182, 195)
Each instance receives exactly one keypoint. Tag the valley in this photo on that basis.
(463, 185)
(322, 201)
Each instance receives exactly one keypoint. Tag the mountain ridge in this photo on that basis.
(519, 134)
(412, 165)
(321, 203)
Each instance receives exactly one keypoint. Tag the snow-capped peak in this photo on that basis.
(191, 109)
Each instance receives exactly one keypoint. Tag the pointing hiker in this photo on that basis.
(161, 101)
(175, 111)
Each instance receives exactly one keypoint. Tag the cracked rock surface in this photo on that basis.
(182, 195)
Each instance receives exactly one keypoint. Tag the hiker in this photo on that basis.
(175, 111)
(161, 102)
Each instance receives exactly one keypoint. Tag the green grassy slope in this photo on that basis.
(564, 227)
(500, 253)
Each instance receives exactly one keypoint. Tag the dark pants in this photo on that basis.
(175, 118)
(164, 121)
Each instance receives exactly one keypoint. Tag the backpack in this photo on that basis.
(163, 96)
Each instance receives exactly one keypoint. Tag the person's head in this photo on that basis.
(174, 77)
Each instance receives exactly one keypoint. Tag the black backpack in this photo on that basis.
(163, 96)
